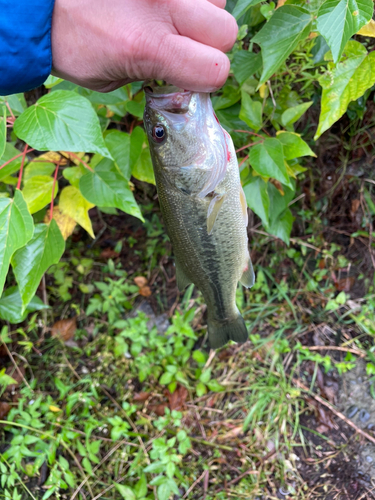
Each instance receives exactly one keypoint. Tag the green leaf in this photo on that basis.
(290, 24)
(205, 376)
(3, 129)
(143, 169)
(268, 160)
(16, 229)
(291, 115)
(282, 226)
(166, 378)
(62, 121)
(87, 465)
(245, 64)
(106, 187)
(140, 489)
(251, 112)
(214, 386)
(9, 153)
(339, 20)
(33, 260)
(257, 198)
(35, 168)
(347, 82)
(201, 389)
(72, 203)
(242, 6)
(73, 174)
(126, 492)
(118, 144)
(11, 306)
(37, 192)
(293, 145)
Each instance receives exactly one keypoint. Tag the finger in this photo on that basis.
(205, 23)
(189, 64)
(219, 3)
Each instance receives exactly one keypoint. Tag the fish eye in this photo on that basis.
(159, 133)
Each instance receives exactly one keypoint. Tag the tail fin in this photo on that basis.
(219, 333)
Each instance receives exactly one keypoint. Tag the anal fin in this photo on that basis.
(248, 276)
(182, 280)
(213, 211)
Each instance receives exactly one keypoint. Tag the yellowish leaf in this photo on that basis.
(368, 29)
(280, 3)
(72, 203)
(53, 408)
(65, 222)
(53, 157)
(73, 157)
(263, 90)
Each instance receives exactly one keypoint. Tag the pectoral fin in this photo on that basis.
(182, 280)
(248, 276)
(244, 206)
(213, 210)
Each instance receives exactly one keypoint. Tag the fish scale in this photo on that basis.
(185, 161)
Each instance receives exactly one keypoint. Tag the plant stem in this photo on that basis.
(21, 169)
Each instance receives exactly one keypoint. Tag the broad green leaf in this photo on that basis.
(268, 160)
(35, 168)
(291, 115)
(16, 229)
(339, 20)
(73, 204)
(37, 192)
(242, 6)
(143, 169)
(126, 492)
(12, 167)
(245, 64)
(282, 226)
(106, 187)
(278, 202)
(137, 139)
(289, 24)
(118, 144)
(345, 83)
(11, 306)
(251, 112)
(3, 129)
(293, 145)
(62, 121)
(257, 198)
(30, 262)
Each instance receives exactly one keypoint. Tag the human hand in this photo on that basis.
(103, 44)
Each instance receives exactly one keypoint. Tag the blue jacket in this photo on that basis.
(25, 44)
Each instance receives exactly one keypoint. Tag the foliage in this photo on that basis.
(259, 105)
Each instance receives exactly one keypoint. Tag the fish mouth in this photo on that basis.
(168, 98)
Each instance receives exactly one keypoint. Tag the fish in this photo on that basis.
(202, 203)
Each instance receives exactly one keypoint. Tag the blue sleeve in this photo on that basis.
(25, 44)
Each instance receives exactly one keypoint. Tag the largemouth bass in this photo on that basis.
(202, 202)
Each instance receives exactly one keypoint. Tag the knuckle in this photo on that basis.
(220, 72)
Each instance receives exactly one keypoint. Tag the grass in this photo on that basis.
(120, 411)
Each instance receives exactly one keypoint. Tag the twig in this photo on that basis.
(22, 165)
(194, 484)
(15, 158)
(53, 189)
(250, 133)
(15, 365)
(334, 411)
(361, 354)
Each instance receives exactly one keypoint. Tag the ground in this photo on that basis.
(116, 392)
